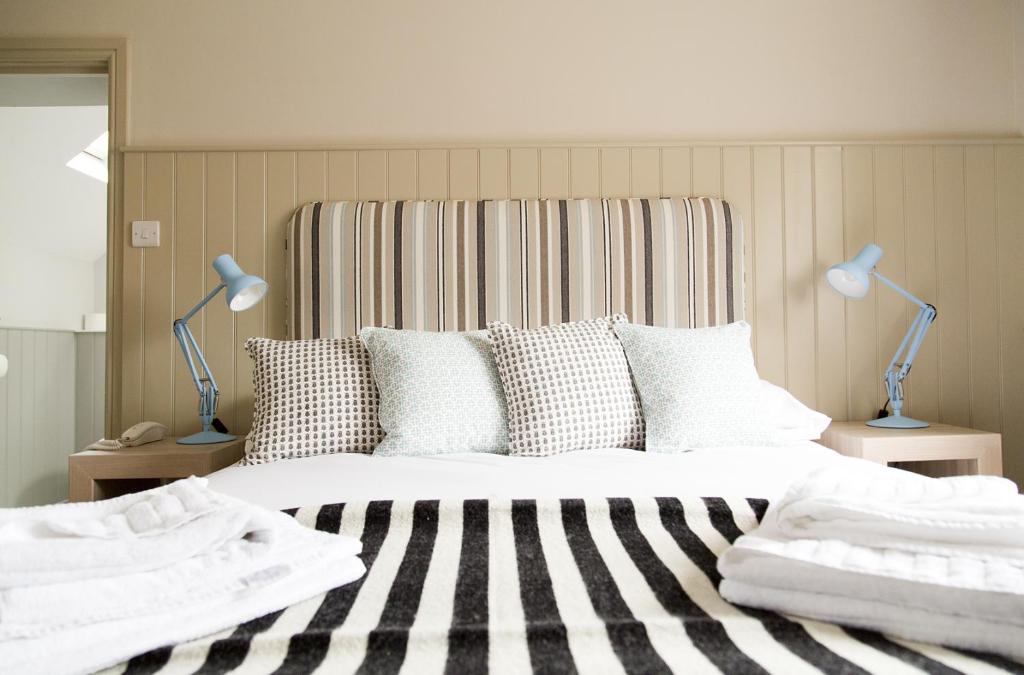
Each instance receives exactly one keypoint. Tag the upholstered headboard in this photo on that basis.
(455, 265)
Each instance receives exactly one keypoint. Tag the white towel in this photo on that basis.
(860, 502)
(135, 533)
(226, 562)
(279, 547)
(88, 648)
(924, 559)
(894, 619)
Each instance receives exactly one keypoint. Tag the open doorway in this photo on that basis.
(53, 277)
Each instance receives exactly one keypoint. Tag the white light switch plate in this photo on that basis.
(145, 233)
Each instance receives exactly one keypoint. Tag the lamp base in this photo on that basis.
(897, 422)
(206, 438)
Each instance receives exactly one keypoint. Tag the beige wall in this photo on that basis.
(949, 217)
(235, 73)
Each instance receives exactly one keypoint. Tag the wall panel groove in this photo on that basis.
(950, 217)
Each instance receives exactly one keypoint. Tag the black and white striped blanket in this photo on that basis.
(554, 586)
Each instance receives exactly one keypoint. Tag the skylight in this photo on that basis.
(93, 160)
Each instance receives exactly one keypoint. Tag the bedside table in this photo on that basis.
(953, 450)
(101, 474)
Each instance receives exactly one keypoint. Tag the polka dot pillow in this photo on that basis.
(313, 397)
(567, 387)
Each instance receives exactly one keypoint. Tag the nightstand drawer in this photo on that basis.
(101, 474)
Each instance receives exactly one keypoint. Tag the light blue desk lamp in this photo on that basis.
(853, 279)
(243, 291)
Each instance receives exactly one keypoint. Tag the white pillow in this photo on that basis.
(698, 387)
(439, 392)
(789, 420)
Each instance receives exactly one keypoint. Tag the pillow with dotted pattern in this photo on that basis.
(698, 386)
(439, 392)
(313, 397)
(567, 387)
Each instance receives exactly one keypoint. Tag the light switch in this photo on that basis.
(145, 233)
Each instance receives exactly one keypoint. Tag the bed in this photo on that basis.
(592, 561)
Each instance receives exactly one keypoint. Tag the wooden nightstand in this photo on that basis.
(101, 474)
(940, 449)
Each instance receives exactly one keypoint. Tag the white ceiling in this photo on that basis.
(40, 90)
(44, 204)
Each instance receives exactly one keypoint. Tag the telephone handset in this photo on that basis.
(139, 434)
(142, 433)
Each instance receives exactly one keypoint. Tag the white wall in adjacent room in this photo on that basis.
(52, 218)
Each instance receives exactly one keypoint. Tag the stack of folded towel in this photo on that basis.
(84, 586)
(934, 560)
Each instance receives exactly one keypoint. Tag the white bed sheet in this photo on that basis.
(719, 472)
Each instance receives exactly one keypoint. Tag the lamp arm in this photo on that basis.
(925, 318)
(200, 304)
(899, 289)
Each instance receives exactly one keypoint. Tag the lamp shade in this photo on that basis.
(852, 278)
(243, 290)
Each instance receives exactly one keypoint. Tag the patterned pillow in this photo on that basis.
(698, 386)
(439, 392)
(568, 387)
(313, 397)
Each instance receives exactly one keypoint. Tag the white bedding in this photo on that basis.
(719, 472)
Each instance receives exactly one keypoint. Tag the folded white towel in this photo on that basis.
(277, 548)
(237, 562)
(145, 531)
(895, 619)
(87, 648)
(860, 502)
(937, 560)
(963, 585)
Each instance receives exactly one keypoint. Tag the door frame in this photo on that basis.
(27, 55)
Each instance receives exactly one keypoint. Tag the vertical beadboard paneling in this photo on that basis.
(951, 243)
(524, 172)
(493, 172)
(342, 172)
(88, 359)
(769, 269)
(676, 172)
(798, 214)
(280, 203)
(158, 292)
(218, 319)
(463, 173)
(1010, 233)
(251, 228)
(554, 173)
(39, 413)
(863, 376)
(585, 176)
(432, 174)
(948, 217)
(645, 172)
(373, 175)
(893, 312)
(707, 171)
(919, 210)
(402, 174)
(983, 285)
(614, 172)
(190, 278)
(132, 304)
(830, 352)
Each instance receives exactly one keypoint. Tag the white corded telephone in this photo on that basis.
(140, 434)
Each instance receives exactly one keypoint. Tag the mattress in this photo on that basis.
(761, 472)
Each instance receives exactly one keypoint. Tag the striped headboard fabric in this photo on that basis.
(455, 265)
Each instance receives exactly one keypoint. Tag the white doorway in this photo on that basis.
(53, 277)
